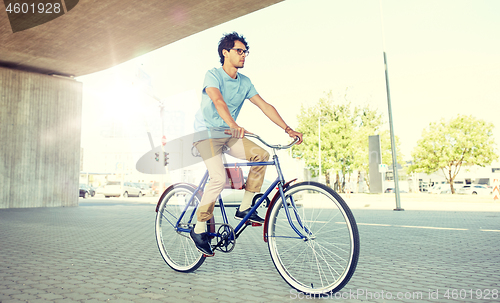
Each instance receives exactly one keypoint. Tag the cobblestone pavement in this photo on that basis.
(106, 251)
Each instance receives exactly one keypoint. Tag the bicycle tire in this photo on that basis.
(177, 248)
(326, 261)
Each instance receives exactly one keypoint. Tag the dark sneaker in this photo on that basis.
(253, 218)
(202, 242)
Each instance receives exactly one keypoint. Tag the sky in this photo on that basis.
(443, 60)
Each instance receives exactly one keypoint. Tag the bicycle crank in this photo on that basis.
(225, 238)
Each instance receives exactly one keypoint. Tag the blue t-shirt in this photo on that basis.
(234, 92)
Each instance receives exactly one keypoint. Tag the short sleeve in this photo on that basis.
(211, 80)
(251, 92)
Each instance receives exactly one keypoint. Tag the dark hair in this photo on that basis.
(227, 42)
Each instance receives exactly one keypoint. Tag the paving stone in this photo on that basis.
(76, 296)
(66, 300)
(13, 301)
(152, 296)
(57, 290)
(40, 301)
(127, 296)
(105, 252)
(9, 291)
(23, 297)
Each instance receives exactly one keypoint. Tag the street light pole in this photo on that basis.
(393, 141)
(319, 140)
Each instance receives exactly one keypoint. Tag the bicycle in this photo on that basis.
(311, 233)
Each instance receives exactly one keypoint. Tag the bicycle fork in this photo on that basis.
(292, 204)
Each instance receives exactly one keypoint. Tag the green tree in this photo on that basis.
(447, 146)
(344, 137)
(368, 122)
(336, 136)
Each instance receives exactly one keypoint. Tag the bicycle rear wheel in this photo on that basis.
(176, 247)
(326, 259)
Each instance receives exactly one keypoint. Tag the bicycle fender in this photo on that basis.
(270, 206)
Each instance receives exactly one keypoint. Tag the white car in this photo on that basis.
(474, 189)
(145, 188)
(439, 188)
(116, 189)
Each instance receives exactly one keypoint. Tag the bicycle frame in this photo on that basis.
(278, 182)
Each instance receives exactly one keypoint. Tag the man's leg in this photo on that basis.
(210, 150)
(248, 150)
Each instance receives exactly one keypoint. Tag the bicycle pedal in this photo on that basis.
(206, 256)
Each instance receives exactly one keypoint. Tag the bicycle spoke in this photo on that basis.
(333, 259)
(175, 246)
(324, 261)
(293, 261)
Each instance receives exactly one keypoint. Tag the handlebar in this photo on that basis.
(278, 146)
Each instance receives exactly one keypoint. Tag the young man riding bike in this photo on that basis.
(224, 92)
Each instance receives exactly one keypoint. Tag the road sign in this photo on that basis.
(382, 168)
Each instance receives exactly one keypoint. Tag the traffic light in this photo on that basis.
(157, 158)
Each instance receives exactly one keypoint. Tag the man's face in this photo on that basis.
(231, 56)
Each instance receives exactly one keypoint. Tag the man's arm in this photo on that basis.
(274, 116)
(221, 107)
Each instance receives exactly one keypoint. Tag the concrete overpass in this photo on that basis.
(40, 54)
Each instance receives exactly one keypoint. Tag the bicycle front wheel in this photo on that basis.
(176, 247)
(325, 258)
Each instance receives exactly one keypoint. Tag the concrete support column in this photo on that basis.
(40, 132)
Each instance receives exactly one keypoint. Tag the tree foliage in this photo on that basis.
(344, 137)
(447, 146)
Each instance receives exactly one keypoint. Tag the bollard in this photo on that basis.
(496, 190)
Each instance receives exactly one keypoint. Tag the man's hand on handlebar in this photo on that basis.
(294, 134)
(237, 132)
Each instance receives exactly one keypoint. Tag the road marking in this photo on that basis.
(408, 226)
(421, 227)
(370, 224)
(430, 227)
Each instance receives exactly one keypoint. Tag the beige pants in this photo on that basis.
(211, 152)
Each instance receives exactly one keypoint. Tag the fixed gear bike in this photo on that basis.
(311, 233)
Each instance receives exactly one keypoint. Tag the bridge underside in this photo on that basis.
(96, 35)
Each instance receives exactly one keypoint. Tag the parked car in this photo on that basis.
(86, 191)
(390, 190)
(474, 189)
(439, 188)
(447, 191)
(138, 185)
(145, 188)
(116, 189)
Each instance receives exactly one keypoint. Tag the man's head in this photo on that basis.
(229, 42)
